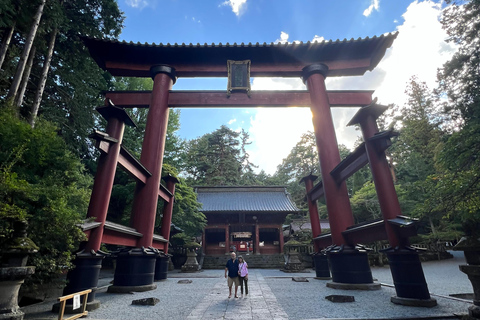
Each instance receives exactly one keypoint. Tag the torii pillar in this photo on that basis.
(138, 264)
(407, 273)
(88, 261)
(349, 264)
(322, 270)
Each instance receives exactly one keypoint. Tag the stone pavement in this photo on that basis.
(259, 304)
(273, 295)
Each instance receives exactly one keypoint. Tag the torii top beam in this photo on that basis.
(343, 57)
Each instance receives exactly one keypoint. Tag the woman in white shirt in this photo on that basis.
(243, 274)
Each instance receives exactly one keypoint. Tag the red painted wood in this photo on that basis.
(132, 170)
(102, 186)
(336, 68)
(167, 211)
(313, 211)
(121, 239)
(257, 239)
(336, 196)
(162, 246)
(185, 99)
(227, 239)
(146, 196)
(280, 238)
(387, 196)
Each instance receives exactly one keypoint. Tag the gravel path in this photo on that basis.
(273, 295)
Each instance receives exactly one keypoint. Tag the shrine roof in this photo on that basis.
(123, 58)
(245, 199)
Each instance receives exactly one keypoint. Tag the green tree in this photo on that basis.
(186, 211)
(458, 187)
(46, 184)
(218, 158)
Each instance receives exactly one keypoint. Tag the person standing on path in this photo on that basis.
(243, 274)
(232, 269)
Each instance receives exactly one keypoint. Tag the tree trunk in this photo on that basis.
(5, 44)
(26, 77)
(26, 51)
(43, 78)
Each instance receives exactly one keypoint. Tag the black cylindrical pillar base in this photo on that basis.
(82, 277)
(408, 278)
(135, 270)
(349, 265)
(322, 270)
(161, 267)
(85, 274)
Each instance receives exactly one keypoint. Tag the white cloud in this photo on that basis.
(140, 4)
(232, 121)
(238, 6)
(374, 5)
(283, 38)
(318, 39)
(418, 50)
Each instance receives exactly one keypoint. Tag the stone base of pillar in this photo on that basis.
(191, 265)
(473, 273)
(408, 278)
(129, 289)
(135, 270)
(474, 311)
(293, 263)
(350, 268)
(82, 277)
(355, 286)
(428, 303)
(322, 270)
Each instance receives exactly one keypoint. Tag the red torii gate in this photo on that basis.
(164, 63)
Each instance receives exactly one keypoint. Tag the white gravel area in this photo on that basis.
(285, 299)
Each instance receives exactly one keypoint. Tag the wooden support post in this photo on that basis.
(257, 239)
(168, 210)
(107, 166)
(336, 195)
(312, 210)
(280, 239)
(146, 196)
(227, 238)
(387, 196)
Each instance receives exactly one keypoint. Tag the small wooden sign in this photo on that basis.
(238, 76)
(76, 301)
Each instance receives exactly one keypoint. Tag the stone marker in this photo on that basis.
(340, 298)
(146, 301)
(299, 279)
(184, 281)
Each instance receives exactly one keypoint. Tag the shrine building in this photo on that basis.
(245, 219)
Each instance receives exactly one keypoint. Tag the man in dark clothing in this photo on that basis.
(232, 269)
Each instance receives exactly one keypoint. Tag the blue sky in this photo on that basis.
(419, 50)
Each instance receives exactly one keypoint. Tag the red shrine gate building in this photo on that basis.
(247, 219)
(145, 254)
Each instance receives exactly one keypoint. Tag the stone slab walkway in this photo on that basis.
(259, 304)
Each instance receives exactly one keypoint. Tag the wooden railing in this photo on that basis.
(63, 301)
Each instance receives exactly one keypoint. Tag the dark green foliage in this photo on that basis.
(186, 211)
(74, 81)
(218, 159)
(46, 184)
